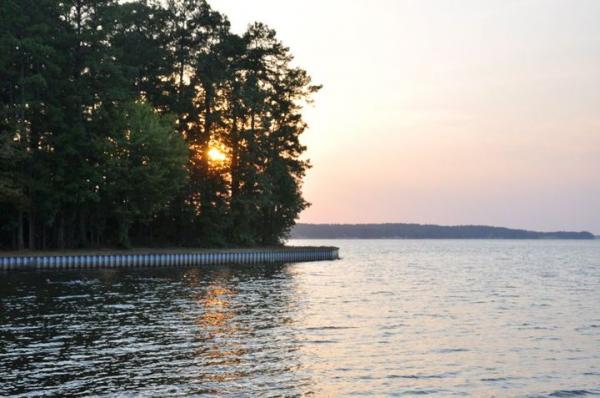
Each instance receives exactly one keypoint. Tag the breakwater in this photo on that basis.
(186, 258)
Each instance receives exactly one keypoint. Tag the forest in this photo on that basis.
(423, 231)
(147, 124)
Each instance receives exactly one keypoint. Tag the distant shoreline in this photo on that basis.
(426, 231)
(404, 238)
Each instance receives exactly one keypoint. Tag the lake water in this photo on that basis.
(392, 318)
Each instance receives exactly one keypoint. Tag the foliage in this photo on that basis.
(142, 162)
(109, 112)
(420, 231)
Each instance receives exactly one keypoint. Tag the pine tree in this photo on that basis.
(78, 76)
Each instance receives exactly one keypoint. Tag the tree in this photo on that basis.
(144, 161)
(266, 168)
(87, 90)
(27, 66)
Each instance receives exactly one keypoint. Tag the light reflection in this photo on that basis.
(217, 329)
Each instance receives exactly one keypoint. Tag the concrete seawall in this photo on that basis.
(186, 258)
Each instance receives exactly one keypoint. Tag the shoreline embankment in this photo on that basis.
(161, 258)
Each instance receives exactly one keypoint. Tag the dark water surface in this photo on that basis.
(392, 318)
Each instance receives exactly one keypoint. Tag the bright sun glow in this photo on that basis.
(215, 155)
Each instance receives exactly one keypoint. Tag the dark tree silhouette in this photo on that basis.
(419, 231)
(145, 123)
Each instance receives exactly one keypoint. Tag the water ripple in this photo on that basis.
(393, 318)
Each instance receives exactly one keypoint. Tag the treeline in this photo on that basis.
(419, 231)
(145, 123)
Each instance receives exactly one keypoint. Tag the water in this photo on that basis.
(392, 318)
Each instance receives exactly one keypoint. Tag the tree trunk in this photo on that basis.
(20, 238)
(124, 226)
(180, 85)
(31, 231)
(234, 167)
(82, 230)
(61, 232)
(205, 139)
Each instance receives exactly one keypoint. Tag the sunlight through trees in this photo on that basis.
(145, 123)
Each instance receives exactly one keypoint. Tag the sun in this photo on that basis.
(215, 155)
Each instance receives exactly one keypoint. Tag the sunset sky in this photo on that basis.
(446, 112)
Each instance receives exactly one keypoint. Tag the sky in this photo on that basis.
(447, 112)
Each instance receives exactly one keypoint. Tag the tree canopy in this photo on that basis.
(146, 123)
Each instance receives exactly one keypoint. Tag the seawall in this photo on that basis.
(185, 258)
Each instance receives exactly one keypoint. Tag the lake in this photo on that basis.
(391, 318)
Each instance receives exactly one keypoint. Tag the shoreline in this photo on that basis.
(159, 258)
(151, 250)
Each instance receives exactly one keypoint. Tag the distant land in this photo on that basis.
(421, 231)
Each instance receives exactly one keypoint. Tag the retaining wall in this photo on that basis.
(171, 259)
